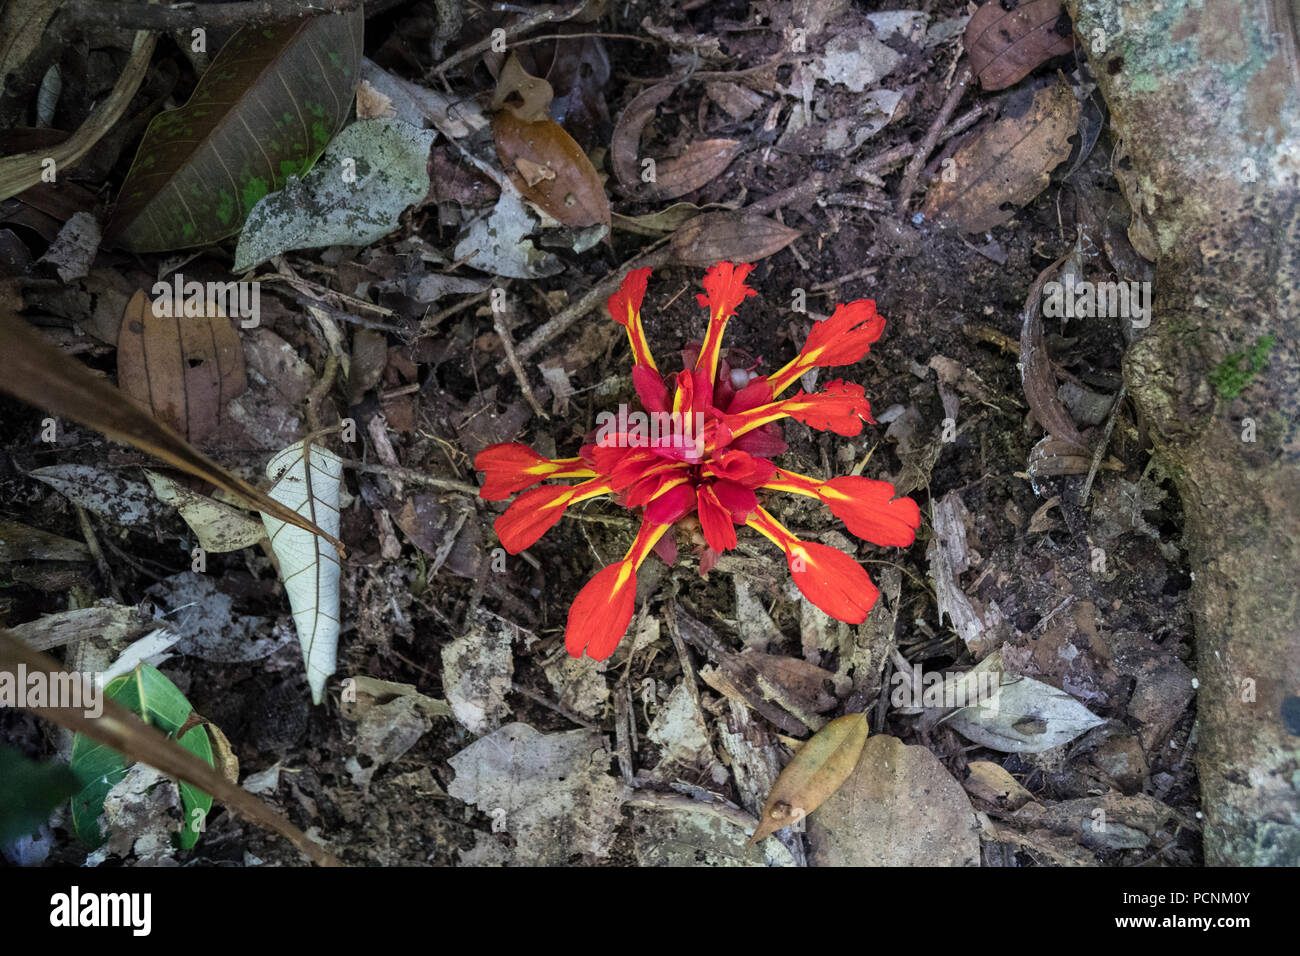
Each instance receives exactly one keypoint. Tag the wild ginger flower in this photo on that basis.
(704, 448)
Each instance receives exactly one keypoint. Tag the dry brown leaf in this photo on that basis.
(1037, 377)
(717, 236)
(573, 192)
(1007, 164)
(816, 772)
(40, 375)
(699, 164)
(625, 144)
(1005, 45)
(184, 369)
(523, 95)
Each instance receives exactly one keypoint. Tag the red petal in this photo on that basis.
(869, 510)
(504, 469)
(673, 504)
(846, 336)
(601, 612)
(739, 500)
(626, 302)
(841, 407)
(832, 580)
(715, 521)
(650, 388)
(531, 515)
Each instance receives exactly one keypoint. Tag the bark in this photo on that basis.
(1206, 95)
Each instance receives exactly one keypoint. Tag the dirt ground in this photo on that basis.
(1087, 597)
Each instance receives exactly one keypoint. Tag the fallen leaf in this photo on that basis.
(309, 565)
(717, 236)
(522, 95)
(123, 501)
(676, 831)
(41, 376)
(497, 242)
(264, 110)
(370, 174)
(1006, 44)
(551, 792)
(899, 807)
(413, 104)
(572, 193)
(991, 783)
(816, 772)
(182, 368)
(20, 542)
(1006, 164)
(1027, 716)
(477, 669)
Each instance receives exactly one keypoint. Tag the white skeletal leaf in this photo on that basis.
(309, 565)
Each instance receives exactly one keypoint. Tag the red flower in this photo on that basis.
(704, 449)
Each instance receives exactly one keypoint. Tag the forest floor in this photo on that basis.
(498, 748)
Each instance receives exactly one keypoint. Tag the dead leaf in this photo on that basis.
(183, 368)
(625, 144)
(899, 807)
(816, 772)
(1006, 164)
(551, 792)
(717, 236)
(573, 192)
(1005, 45)
(991, 783)
(1026, 715)
(699, 164)
(525, 97)
(20, 542)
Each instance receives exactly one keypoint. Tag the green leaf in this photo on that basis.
(194, 802)
(98, 767)
(31, 790)
(264, 110)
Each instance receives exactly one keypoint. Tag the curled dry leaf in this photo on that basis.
(1036, 374)
(717, 236)
(625, 144)
(184, 369)
(1005, 45)
(551, 170)
(816, 772)
(522, 95)
(698, 164)
(309, 565)
(1007, 164)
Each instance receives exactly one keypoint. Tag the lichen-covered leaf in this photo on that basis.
(369, 175)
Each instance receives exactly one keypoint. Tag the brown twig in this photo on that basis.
(594, 297)
(913, 172)
(508, 343)
(548, 15)
(165, 19)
